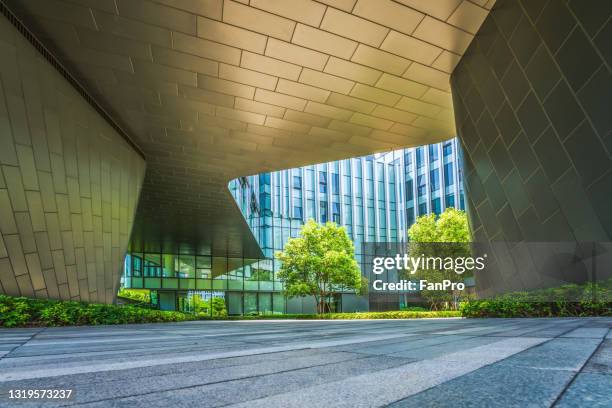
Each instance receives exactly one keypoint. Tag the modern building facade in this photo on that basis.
(376, 198)
(122, 122)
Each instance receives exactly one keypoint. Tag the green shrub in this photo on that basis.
(21, 311)
(13, 311)
(564, 301)
(401, 314)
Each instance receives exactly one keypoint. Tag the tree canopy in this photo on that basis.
(450, 226)
(319, 263)
(446, 235)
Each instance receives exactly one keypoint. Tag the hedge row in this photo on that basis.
(404, 314)
(19, 311)
(563, 301)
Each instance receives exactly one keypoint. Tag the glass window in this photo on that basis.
(382, 218)
(422, 209)
(421, 185)
(436, 207)
(265, 303)
(322, 182)
(449, 179)
(152, 265)
(297, 212)
(136, 265)
(410, 216)
(219, 267)
(335, 183)
(264, 178)
(203, 267)
(408, 158)
(297, 182)
(234, 300)
(168, 266)
(450, 200)
(409, 189)
(369, 168)
(433, 152)
(185, 266)
(310, 179)
(336, 213)
(310, 209)
(434, 179)
(357, 167)
(323, 211)
(447, 149)
(419, 157)
(250, 303)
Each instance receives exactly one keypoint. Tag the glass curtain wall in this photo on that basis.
(376, 198)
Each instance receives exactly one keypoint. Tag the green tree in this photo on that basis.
(318, 263)
(447, 235)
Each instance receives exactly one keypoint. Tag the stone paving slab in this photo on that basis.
(494, 386)
(588, 390)
(601, 361)
(556, 354)
(588, 332)
(487, 362)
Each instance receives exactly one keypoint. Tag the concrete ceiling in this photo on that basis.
(212, 90)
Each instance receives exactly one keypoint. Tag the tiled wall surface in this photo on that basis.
(533, 98)
(69, 183)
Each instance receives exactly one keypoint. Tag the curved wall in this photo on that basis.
(69, 183)
(532, 98)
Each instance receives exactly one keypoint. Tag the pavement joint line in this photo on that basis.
(394, 354)
(576, 373)
(432, 378)
(7, 354)
(30, 374)
(40, 357)
(44, 342)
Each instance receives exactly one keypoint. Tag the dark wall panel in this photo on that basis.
(69, 183)
(533, 108)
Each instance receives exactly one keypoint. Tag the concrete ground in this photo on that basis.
(400, 363)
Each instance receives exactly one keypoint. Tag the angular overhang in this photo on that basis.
(216, 89)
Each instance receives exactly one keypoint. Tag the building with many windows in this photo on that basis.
(376, 198)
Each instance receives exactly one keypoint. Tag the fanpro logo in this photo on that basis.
(414, 264)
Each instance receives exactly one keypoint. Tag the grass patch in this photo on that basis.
(563, 301)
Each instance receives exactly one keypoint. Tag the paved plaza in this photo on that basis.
(398, 363)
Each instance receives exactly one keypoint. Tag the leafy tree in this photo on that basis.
(318, 262)
(447, 235)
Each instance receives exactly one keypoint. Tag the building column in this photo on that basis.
(532, 99)
(69, 182)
